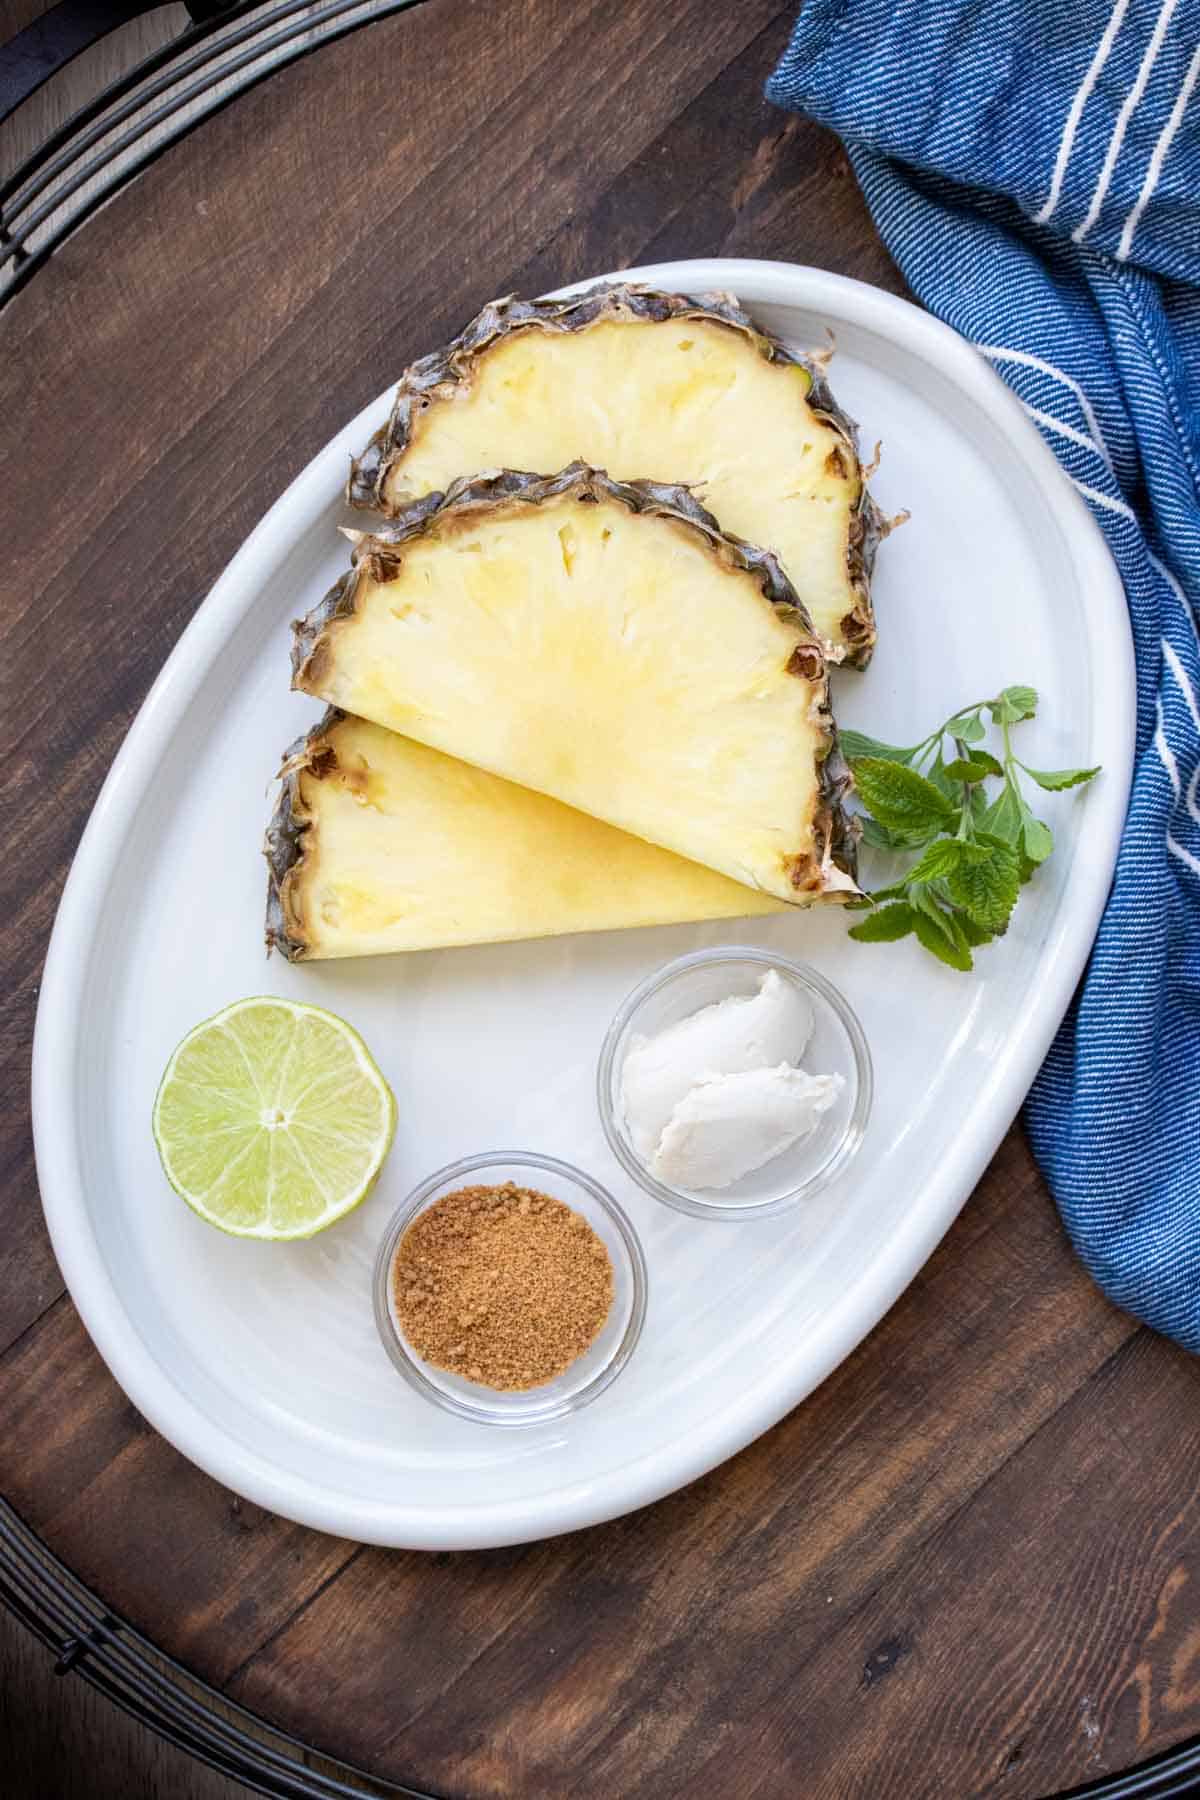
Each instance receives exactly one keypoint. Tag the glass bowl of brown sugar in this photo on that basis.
(510, 1288)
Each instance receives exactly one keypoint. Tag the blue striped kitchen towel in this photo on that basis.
(1034, 169)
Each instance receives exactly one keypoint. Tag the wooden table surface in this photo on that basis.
(970, 1564)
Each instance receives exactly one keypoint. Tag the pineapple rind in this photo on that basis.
(446, 376)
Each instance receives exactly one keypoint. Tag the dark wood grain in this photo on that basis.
(969, 1564)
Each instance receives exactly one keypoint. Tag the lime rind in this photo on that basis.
(336, 1117)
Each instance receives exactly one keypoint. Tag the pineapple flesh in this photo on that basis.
(381, 844)
(605, 644)
(656, 386)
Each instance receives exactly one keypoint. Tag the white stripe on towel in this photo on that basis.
(1185, 687)
(1061, 430)
(1185, 856)
(1166, 755)
(1104, 500)
(1129, 107)
(1076, 112)
(1173, 583)
(1155, 169)
(1001, 353)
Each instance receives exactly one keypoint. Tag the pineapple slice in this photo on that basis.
(604, 643)
(646, 384)
(381, 844)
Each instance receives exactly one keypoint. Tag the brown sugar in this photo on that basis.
(503, 1285)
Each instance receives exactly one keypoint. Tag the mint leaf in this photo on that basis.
(1037, 840)
(898, 797)
(940, 943)
(979, 766)
(899, 891)
(972, 851)
(1054, 780)
(940, 860)
(977, 804)
(931, 917)
(990, 839)
(924, 900)
(1026, 867)
(857, 743)
(1014, 703)
(878, 836)
(1005, 817)
(885, 925)
(954, 924)
(985, 883)
(937, 776)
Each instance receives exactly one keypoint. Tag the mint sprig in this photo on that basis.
(977, 846)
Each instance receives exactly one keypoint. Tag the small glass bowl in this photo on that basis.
(837, 1047)
(599, 1365)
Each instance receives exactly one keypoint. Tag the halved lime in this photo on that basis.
(272, 1119)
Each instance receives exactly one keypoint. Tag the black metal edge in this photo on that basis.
(110, 108)
(1170, 1776)
(89, 1640)
(48, 43)
(119, 86)
(330, 21)
(196, 33)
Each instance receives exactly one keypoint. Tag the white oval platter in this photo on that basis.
(260, 1362)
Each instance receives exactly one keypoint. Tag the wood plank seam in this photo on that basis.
(297, 1612)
